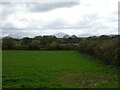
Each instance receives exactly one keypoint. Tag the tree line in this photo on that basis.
(105, 48)
(40, 43)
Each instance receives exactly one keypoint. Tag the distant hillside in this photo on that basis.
(60, 34)
(85, 35)
(20, 35)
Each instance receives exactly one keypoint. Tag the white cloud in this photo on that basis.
(95, 17)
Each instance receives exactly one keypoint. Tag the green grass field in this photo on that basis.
(55, 69)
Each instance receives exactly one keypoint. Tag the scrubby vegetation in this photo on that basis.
(105, 48)
(40, 43)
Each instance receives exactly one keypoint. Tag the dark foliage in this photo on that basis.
(105, 48)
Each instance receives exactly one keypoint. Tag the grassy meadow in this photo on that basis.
(55, 69)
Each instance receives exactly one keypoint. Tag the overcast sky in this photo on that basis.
(82, 17)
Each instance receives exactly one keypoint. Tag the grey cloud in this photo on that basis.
(56, 24)
(61, 24)
(6, 9)
(5, 3)
(9, 26)
(5, 6)
(90, 22)
(41, 7)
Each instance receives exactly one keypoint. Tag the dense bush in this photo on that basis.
(103, 48)
(40, 43)
(8, 43)
(35, 45)
(54, 46)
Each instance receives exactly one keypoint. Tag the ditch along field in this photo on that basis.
(55, 69)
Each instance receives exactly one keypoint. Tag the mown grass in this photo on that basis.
(55, 69)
